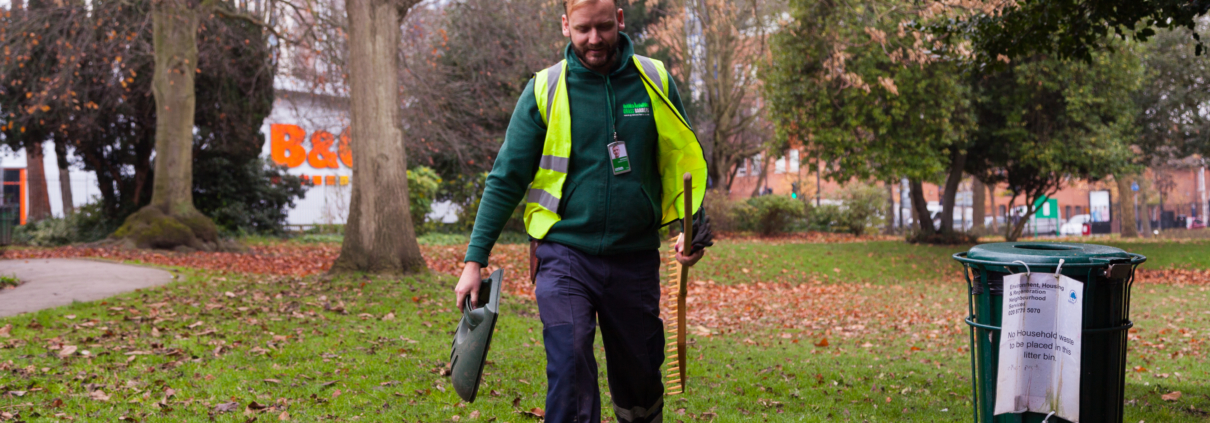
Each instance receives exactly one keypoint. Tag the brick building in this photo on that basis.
(1173, 195)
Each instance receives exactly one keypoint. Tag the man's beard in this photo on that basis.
(611, 54)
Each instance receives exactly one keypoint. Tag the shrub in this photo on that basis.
(45, 233)
(464, 191)
(769, 214)
(320, 238)
(860, 213)
(824, 218)
(423, 184)
(721, 209)
(326, 229)
(87, 224)
(914, 236)
(249, 197)
(863, 206)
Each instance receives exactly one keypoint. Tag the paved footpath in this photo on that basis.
(56, 282)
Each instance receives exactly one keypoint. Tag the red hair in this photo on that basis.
(571, 5)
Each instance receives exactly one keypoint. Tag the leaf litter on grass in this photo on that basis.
(226, 344)
(830, 316)
(800, 303)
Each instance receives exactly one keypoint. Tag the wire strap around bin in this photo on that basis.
(980, 325)
(1027, 271)
(1129, 324)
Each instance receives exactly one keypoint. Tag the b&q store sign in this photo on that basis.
(288, 147)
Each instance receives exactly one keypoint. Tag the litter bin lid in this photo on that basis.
(1047, 253)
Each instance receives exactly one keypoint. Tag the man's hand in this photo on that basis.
(683, 259)
(468, 284)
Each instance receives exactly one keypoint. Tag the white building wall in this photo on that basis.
(83, 184)
(322, 204)
(327, 204)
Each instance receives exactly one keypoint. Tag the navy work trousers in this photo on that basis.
(576, 290)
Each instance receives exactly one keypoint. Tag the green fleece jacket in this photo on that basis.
(602, 213)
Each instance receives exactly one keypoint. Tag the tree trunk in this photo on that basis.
(1146, 210)
(991, 198)
(761, 167)
(379, 236)
(957, 164)
(175, 29)
(171, 220)
(64, 178)
(890, 208)
(713, 172)
(1014, 230)
(979, 205)
(1126, 206)
(39, 195)
(920, 207)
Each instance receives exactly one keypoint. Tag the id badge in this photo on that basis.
(618, 157)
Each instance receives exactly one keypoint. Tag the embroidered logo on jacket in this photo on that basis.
(636, 109)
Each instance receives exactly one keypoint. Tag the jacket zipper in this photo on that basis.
(608, 178)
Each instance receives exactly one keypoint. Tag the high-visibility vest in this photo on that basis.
(678, 148)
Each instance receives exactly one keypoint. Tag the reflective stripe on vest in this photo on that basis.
(678, 148)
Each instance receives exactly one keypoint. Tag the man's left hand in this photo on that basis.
(683, 259)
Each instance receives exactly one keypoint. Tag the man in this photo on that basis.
(597, 146)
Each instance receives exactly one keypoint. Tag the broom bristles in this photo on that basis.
(673, 378)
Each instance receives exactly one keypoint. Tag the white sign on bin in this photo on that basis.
(1040, 342)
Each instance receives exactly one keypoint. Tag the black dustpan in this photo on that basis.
(473, 337)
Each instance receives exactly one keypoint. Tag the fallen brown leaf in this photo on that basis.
(98, 395)
(535, 412)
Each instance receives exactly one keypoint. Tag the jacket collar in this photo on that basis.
(625, 56)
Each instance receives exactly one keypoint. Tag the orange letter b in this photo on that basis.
(285, 144)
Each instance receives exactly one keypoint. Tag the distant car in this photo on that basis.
(1075, 225)
(1196, 224)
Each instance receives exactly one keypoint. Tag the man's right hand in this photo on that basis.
(468, 284)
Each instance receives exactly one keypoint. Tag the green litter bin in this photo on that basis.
(1107, 274)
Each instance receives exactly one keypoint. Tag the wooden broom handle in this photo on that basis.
(681, 323)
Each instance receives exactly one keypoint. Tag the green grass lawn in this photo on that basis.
(889, 261)
(357, 348)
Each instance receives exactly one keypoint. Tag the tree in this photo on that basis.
(64, 179)
(462, 70)
(112, 124)
(1172, 101)
(97, 93)
(716, 47)
(1045, 120)
(1005, 31)
(979, 203)
(642, 16)
(171, 219)
(868, 95)
(1172, 121)
(28, 67)
(1126, 206)
(379, 236)
(39, 194)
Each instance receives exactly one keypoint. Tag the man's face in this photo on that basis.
(593, 27)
